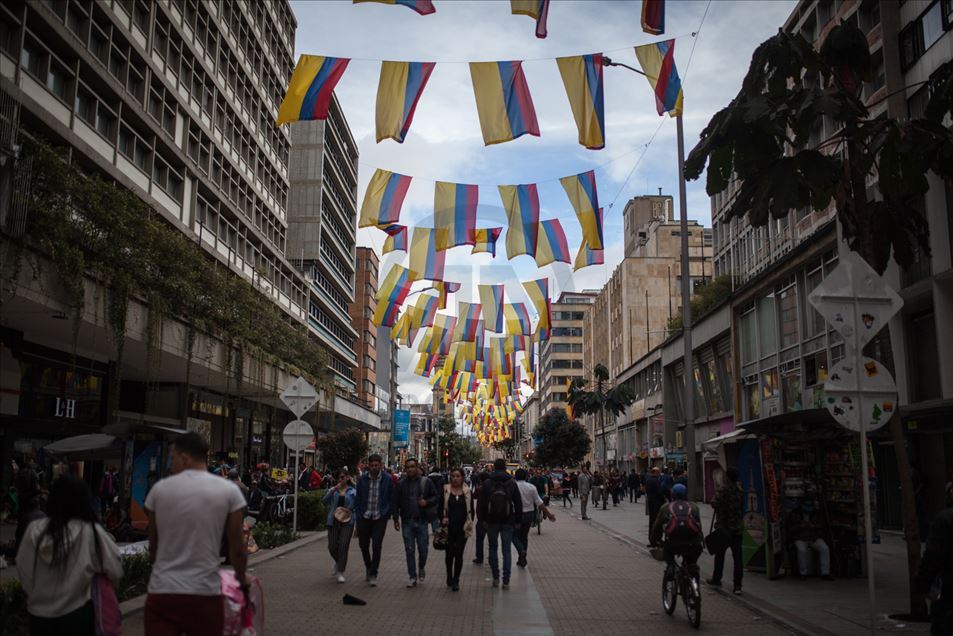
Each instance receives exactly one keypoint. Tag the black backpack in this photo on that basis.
(499, 507)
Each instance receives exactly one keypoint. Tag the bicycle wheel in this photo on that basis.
(669, 592)
(693, 601)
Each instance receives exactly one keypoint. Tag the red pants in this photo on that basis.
(189, 614)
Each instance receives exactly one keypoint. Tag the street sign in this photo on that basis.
(875, 402)
(401, 428)
(852, 287)
(297, 435)
(299, 397)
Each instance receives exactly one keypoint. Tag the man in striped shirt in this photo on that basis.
(375, 490)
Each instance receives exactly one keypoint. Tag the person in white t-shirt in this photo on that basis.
(188, 514)
(529, 495)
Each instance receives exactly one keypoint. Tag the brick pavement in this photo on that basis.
(583, 579)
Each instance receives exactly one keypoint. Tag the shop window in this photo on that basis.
(815, 369)
(767, 327)
(769, 384)
(791, 390)
(752, 394)
(716, 403)
(701, 405)
(923, 359)
(788, 315)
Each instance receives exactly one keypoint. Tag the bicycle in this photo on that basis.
(677, 580)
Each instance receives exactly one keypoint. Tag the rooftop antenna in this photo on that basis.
(660, 191)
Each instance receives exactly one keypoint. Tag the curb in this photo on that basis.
(137, 603)
(751, 601)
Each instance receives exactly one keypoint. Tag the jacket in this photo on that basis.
(401, 506)
(330, 499)
(583, 484)
(385, 496)
(654, 496)
(52, 591)
(665, 515)
(516, 500)
(937, 556)
(729, 508)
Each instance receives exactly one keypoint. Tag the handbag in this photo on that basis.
(342, 515)
(108, 618)
(717, 540)
(440, 538)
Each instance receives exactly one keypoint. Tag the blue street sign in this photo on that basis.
(401, 427)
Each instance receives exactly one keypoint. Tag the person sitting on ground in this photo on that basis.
(807, 539)
(679, 525)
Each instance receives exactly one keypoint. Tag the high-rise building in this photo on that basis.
(362, 314)
(561, 356)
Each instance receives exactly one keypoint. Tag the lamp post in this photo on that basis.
(688, 415)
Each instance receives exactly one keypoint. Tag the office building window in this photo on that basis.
(787, 306)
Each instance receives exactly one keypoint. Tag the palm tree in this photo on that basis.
(601, 399)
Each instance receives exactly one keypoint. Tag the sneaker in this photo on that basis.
(713, 582)
(496, 582)
(341, 578)
(372, 581)
(412, 582)
(738, 590)
(506, 585)
(421, 575)
(334, 570)
(456, 587)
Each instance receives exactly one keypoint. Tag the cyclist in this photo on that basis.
(679, 523)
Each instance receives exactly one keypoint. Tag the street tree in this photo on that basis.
(343, 448)
(602, 399)
(873, 170)
(507, 446)
(561, 442)
(454, 448)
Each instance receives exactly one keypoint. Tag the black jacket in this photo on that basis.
(406, 493)
(653, 492)
(511, 488)
(938, 556)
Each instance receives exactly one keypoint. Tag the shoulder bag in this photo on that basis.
(718, 539)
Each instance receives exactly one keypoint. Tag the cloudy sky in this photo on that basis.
(445, 143)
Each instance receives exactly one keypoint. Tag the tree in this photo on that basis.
(506, 446)
(560, 442)
(601, 399)
(344, 448)
(763, 139)
(455, 449)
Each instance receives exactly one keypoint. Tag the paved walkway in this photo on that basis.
(579, 580)
(815, 606)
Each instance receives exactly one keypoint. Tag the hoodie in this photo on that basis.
(509, 483)
(54, 591)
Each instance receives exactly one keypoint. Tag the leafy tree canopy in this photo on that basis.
(343, 448)
(561, 442)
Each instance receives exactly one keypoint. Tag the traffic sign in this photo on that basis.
(875, 401)
(300, 397)
(852, 287)
(297, 435)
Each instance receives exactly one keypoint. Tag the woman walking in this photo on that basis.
(340, 503)
(567, 489)
(458, 519)
(58, 558)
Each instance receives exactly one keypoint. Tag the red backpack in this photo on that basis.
(682, 526)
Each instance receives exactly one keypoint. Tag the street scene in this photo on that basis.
(518, 317)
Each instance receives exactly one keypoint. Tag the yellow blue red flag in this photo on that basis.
(538, 292)
(396, 240)
(468, 322)
(423, 7)
(551, 245)
(454, 214)
(587, 256)
(398, 91)
(521, 203)
(658, 63)
(391, 295)
(503, 101)
(536, 9)
(582, 193)
(491, 298)
(517, 320)
(383, 199)
(653, 16)
(310, 89)
(484, 240)
(425, 261)
(582, 78)
(445, 288)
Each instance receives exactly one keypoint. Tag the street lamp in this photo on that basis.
(694, 484)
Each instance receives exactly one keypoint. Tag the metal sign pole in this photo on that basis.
(865, 471)
(294, 523)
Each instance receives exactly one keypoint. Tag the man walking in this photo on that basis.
(375, 490)
(501, 504)
(584, 487)
(729, 509)
(480, 481)
(653, 495)
(634, 484)
(414, 505)
(188, 513)
(529, 496)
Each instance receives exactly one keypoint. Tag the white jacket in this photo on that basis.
(52, 591)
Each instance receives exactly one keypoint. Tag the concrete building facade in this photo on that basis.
(561, 357)
(361, 311)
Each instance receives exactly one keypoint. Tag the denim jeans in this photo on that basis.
(737, 569)
(415, 534)
(480, 540)
(521, 535)
(804, 549)
(495, 533)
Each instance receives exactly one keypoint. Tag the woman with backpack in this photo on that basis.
(59, 558)
(458, 519)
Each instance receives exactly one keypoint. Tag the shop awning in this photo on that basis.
(716, 445)
(91, 446)
(794, 423)
(130, 423)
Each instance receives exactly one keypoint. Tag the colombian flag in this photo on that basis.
(538, 292)
(391, 295)
(425, 261)
(309, 91)
(503, 101)
(551, 246)
(658, 63)
(383, 198)
(468, 319)
(423, 7)
(587, 256)
(582, 78)
(517, 320)
(399, 90)
(454, 214)
(491, 297)
(521, 203)
(396, 240)
(653, 16)
(581, 190)
(484, 240)
(445, 288)
(423, 312)
(536, 9)
(425, 365)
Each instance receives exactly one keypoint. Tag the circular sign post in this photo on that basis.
(296, 436)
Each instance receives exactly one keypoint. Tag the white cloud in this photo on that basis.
(445, 142)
